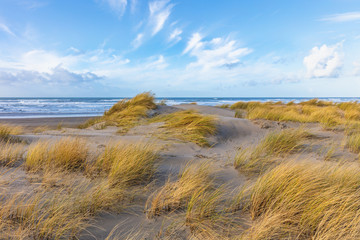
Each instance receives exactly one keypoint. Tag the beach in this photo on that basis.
(31, 123)
(216, 160)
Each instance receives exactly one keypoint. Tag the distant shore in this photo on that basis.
(51, 122)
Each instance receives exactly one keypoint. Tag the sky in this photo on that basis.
(180, 48)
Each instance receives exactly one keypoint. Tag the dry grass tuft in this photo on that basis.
(66, 154)
(189, 125)
(245, 105)
(330, 115)
(55, 214)
(41, 129)
(275, 144)
(205, 215)
(306, 200)
(125, 113)
(175, 195)
(11, 153)
(128, 164)
(6, 131)
(353, 142)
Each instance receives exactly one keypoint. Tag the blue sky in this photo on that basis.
(226, 48)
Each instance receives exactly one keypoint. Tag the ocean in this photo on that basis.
(78, 107)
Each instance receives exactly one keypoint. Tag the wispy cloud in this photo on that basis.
(194, 42)
(342, 17)
(159, 12)
(324, 61)
(218, 52)
(138, 40)
(6, 29)
(118, 6)
(175, 36)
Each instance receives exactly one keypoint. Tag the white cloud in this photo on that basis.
(118, 6)
(6, 29)
(159, 12)
(325, 61)
(175, 36)
(342, 17)
(217, 52)
(158, 63)
(138, 40)
(39, 66)
(57, 76)
(194, 42)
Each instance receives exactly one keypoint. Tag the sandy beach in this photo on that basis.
(31, 123)
(232, 134)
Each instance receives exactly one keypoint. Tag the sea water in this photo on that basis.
(78, 107)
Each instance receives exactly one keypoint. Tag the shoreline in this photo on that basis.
(51, 122)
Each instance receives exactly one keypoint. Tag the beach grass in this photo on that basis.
(329, 114)
(6, 131)
(353, 142)
(290, 184)
(175, 195)
(188, 125)
(41, 129)
(126, 113)
(306, 200)
(273, 146)
(11, 153)
(66, 153)
(128, 164)
(61, 213)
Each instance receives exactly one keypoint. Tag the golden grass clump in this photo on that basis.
(328, 117)
(348, 105)
(353, 142)
(189, 125)
(245, 105)
(55, 214)
(125, 113)
(306, 200)
(278, 113)
(11, 153)
(205, 215)
(66, 154)
(128, 164)
(175, 195)
(275, 144)
(41, 129)
(328, 114)
(6, 131)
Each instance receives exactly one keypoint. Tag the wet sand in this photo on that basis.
(51, 122)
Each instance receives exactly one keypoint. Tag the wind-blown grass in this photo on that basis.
(55, 214)
(128, 164)
(11, 153)
(175, 195)
(328, 114)
(66, 154)
(353, 142)
(188, 125)
(275, 144)
(306, 200)
(6, 131)
(125, 113)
